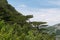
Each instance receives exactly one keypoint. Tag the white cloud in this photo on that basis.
(22, 6)
(52, 16)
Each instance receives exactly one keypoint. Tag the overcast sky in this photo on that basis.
(42, 10)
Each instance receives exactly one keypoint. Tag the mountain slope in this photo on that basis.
(57, 28)
(10, 15)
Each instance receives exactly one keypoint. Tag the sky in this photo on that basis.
(42, 10)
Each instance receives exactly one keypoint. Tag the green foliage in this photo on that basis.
(16, 32)
(14, 25)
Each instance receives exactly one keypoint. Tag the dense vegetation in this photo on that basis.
(14, 25)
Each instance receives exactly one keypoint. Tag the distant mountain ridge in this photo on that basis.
(57, 28)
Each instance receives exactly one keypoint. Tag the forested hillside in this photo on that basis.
(14, 25)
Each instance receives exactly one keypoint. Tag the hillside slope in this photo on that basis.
(10, 15)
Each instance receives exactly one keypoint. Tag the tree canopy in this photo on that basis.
(14, 25)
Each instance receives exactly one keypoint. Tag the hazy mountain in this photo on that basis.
(57, 26)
